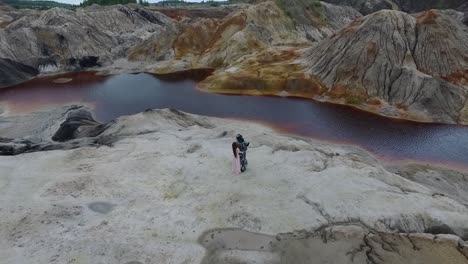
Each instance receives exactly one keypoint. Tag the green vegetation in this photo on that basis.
(43, 5)
(36, 4)
(353, 100)
(202, 3)
(113, 2)
(304, 12)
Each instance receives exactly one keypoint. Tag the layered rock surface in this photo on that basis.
(59, 38)
(417, 63)
(410, 6)
(161, 182)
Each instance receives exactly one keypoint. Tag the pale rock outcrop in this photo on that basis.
(219, 42)
(365, 6)
(409, 6)
(464, 8)
(400, 59)
(62, 37)
(254, 29)
(441, 47)
(317, 20)
(413, 6)
(157, 47)
(337, 17)
(5, 19)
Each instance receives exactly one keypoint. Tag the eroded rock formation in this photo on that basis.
(60, 38)
(366, 6)
(417, 63)
(410, 6)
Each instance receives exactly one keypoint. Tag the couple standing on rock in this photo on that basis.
(239, 149)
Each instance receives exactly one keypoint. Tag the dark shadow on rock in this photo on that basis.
(84, 62)
(11, 147)
(79, 123)
(440, 229)
(197, 75)
(14, 72)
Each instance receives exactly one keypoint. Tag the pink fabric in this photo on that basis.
(236, 168)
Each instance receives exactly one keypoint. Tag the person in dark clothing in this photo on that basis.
(242, 145)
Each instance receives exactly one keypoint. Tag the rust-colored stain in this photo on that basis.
(427, 17)
(238, 22)
(459, 78)
(195, 38)
(374, 102)
(271, 57)
(372, 48)
(337, 90)
(352, 27)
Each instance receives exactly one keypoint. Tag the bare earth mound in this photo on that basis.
(394, 57)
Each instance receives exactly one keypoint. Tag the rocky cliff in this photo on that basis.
(63, 39)
(417, 63)
(409, 6)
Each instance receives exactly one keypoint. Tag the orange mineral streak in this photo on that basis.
(195, 38)
(229, 26)
(352, 27)
(374, 102)
(372, 48)
(459, 78)
(284, 55)
(427, 17)
(268, 73)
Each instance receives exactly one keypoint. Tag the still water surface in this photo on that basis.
(118, 95)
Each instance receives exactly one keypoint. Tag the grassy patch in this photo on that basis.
(303, 11)
(354, 100)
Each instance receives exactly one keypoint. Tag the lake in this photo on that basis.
(117, 95)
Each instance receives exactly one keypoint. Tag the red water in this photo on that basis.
(118, 95)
